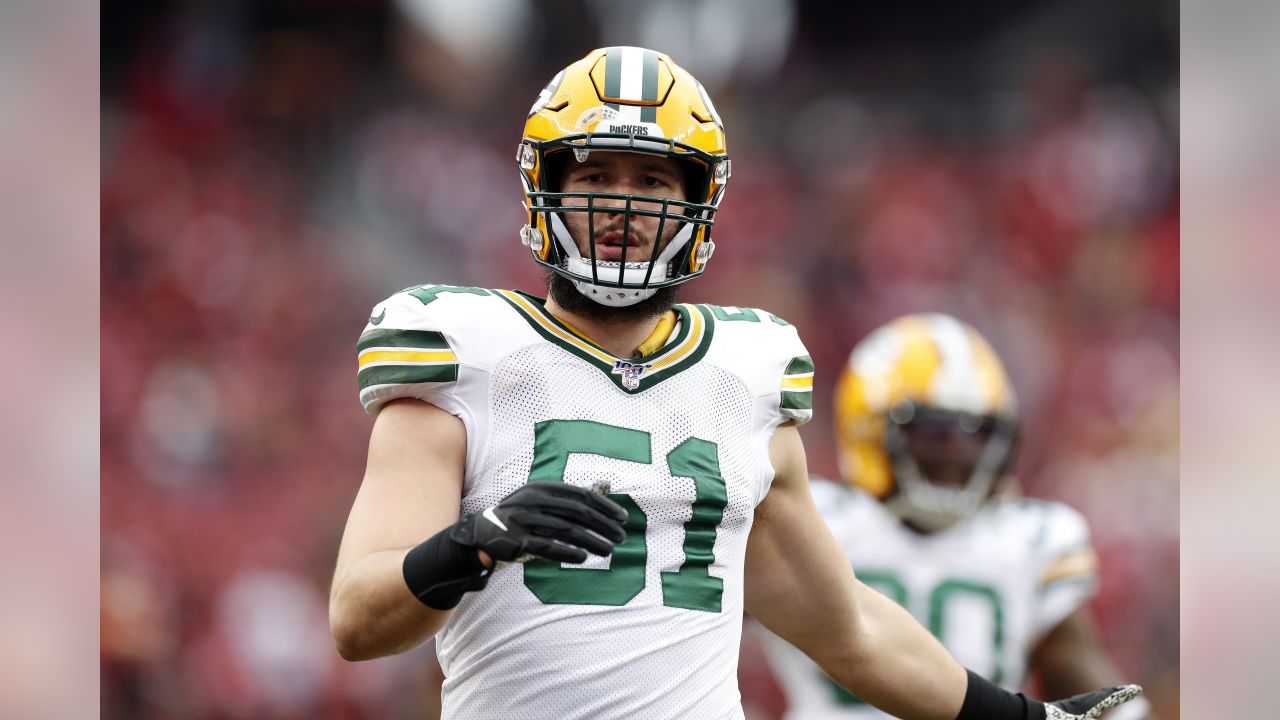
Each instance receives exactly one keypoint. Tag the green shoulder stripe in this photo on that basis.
(799, 366)
(420, 339)
(797, 400)
(407, 374)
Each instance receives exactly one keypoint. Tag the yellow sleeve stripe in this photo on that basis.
(1080, 562)
(798, 382)
(369, 357)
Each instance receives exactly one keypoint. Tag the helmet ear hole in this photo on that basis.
(553, 168)
(695, 182)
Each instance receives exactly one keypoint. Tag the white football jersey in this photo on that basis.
(989, 587)
(679, 438)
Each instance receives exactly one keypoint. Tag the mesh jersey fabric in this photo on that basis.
(652, 631)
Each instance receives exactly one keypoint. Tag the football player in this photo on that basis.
(927, 423)
(579, 495)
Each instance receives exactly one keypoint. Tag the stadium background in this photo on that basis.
(270, 170)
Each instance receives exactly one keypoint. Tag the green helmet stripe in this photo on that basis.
(612, 74)
(649, 86)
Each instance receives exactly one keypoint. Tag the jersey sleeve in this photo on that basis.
(1068, 568)
(795, 391)
(405, 352)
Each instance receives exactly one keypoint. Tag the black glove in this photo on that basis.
(984, 700)
(552, 521)
(1090, 705)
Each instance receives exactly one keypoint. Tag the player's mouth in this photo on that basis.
(609, 247)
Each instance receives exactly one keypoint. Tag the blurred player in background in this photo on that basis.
(581, 494)
(927, 425)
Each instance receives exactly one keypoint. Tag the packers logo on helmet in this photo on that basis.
(623, 99)
(926, 419)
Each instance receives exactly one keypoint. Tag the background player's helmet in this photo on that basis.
(926, 419)
(632, 99)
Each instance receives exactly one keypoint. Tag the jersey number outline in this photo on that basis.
(690, 587)
(428, 294)
(891, 586)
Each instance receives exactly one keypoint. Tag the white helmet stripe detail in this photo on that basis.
(706, 100)
(544, 97)
(632, 80)
(958, 385)
(874, 358)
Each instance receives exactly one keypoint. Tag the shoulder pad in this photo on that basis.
(755, 332)
(1064, 545)
(405, 349)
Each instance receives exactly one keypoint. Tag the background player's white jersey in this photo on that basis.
(989, 587)
(680, 438)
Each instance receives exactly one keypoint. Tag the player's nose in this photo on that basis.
(626, 185)
(612, 205)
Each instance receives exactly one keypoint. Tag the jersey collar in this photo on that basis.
(694, 328)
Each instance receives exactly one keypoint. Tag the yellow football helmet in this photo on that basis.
(623, 99)
(926, 419)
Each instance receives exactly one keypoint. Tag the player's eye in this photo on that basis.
(586, 178)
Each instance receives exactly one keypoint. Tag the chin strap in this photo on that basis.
(579, 269)
(612, 296)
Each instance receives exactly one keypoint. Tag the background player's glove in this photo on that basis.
(1090, 705)
(552, 521)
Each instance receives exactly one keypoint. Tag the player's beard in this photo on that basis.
(562, 290)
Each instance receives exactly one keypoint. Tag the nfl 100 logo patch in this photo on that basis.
(630, 372)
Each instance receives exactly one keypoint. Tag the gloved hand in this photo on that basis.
(553, 521)
(1090, 705)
